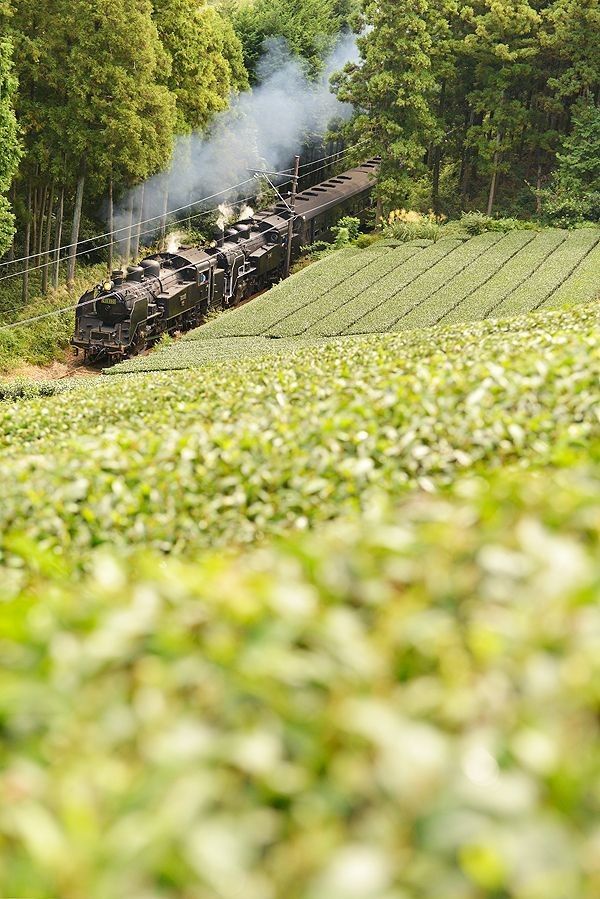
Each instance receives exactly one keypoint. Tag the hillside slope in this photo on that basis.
(228, 454)
(392, 289)
(320, 623)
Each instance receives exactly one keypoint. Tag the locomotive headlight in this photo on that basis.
(108, 285)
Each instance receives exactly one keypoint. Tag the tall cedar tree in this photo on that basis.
(206, 59)
(90, 101)
(395, 90)
(10, 149)
(309, 27)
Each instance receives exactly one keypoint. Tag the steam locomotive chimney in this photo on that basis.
(221, 238)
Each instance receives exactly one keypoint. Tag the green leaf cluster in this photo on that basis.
(10, 147)
(392, 706)
(242, 444)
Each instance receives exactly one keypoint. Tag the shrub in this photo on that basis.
(477, 223)
(346, 230)
(25, 388)
(385, 708)
(364, 241)
(407, 225)
(565, 209)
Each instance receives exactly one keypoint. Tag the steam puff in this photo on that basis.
(263, 128)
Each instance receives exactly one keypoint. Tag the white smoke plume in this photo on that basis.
(226, 215)
(263, 129)
(174, 241)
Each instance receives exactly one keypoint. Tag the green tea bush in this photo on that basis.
(547, 280)
(25, 388)
(402, 706)
(386, 304)
(517, 271)
(249, 447)
(472, 280)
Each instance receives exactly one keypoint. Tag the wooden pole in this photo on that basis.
(290, 236)
(111, 224)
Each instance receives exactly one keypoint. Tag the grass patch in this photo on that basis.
(40, 342)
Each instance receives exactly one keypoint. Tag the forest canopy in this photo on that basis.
(469, 104)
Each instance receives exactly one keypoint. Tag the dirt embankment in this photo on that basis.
(70, 367)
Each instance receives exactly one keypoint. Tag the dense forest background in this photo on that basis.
(491, 104)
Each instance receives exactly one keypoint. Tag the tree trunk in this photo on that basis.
(58, 236)
(435, 183)
(76, 225)
(13, 203)
(129, 230)
(40, 228)
(538, 199)
(494, 182)
(465, 168)
(378, 212)
(165, 210)
(138, 230)
(46, 268)
(111, 223)
(27, 245)
(34, 225)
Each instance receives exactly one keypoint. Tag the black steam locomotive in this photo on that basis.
(171, 292)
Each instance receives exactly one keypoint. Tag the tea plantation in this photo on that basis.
(316, 617)
(401, 287)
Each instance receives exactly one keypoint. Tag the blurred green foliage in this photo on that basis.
(312, 618)
(399, 707)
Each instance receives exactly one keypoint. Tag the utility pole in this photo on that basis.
(292, 207)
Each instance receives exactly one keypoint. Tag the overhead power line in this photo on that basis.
(35, 318)
(131, 227)
(54, 312)
(155, 218)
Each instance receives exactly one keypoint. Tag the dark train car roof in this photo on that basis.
(335, 190)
